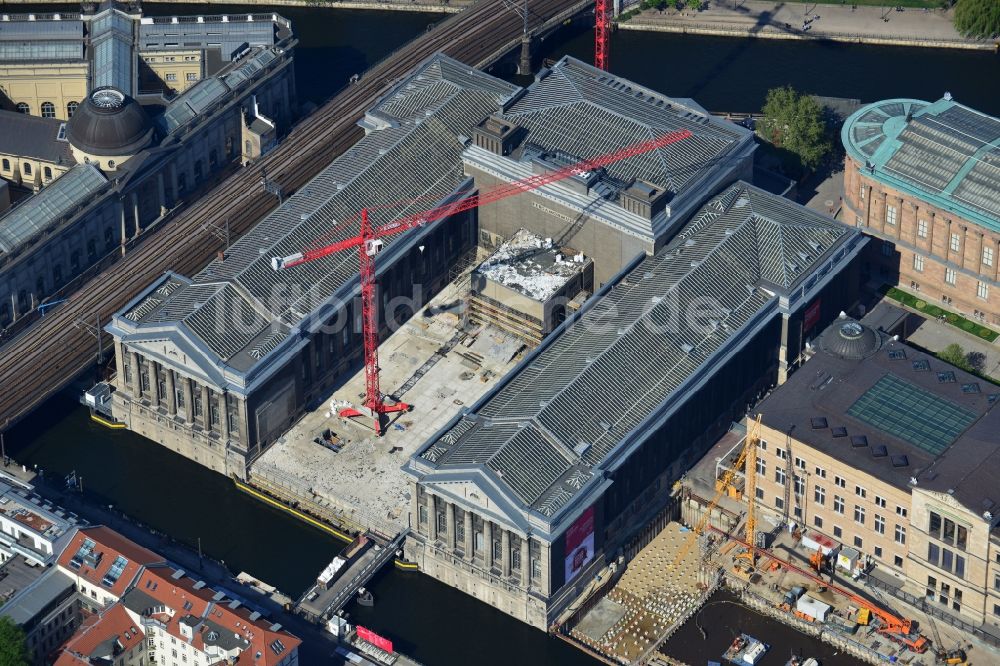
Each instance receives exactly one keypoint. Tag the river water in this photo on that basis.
(432, 622)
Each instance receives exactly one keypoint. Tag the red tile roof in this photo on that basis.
(108, 546)
(181, 595)
(113, 625)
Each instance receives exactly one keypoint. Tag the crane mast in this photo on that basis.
(602, 33)
(369, 244)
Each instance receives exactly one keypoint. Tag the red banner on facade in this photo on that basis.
(812, 315)
(371, 637)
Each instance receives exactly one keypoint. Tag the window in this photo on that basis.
(945, 591)
(762, 445)
(799, 485)
(460, 531)
(933, 553)
(900, 534)
(879, 524)
(800, 463)
(47, 173)
(918, 263)
(859, 514)
(819, 495)
(900, 511)
(897, 560)
(497, 551)
(761, 467)
(515, 559)
(48, 110)
(820, 472)
(191, 76)
(837, 532)
(71, 109)
(422, 514)
(441, 522)
(861, 192)
(878, 551)
(779, 502)
(6, 164)
(26, 168)
(890, 215)
(839, 481)
(759, 492)
(779, 475)
(171, 77)
(858, 543)
(960, 566)
(922, 228)
(23, 108)
(956, 242)
(996, 582)
(988, 256)
(818, 522)
(956, 604)
(838, 504)
(931, 587)
(982, 290)
(781, 453)
(949, 275)
(860, 492)
(880, 502)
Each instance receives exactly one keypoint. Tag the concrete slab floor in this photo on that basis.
(363, 481)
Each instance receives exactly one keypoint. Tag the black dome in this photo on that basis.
(109, 122)
(850, 339)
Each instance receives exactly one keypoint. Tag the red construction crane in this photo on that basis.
(602, 33)
(369, 242)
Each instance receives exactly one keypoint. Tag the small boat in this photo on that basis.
(365, 597)
(746, 650)
(799, 661)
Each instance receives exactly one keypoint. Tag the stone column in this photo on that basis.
(171, 392)
(135, 214)
(224, 415)
(525, 562)
(449, 525)
(432, 517)
(133, 369)
(154, 383)
(161, 191)
(470, 538)
(124, 225)
(188, 398)
(206, 408)
(487, 543)
(505, 553)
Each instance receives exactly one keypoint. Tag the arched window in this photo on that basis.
(48, 173)
(71, 109)
(22, 107)
(249, 147)
(27, 169)
(48, 110)
(6, 164)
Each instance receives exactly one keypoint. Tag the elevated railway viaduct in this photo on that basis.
(57, 348)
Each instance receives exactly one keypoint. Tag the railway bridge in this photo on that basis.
(57, 348)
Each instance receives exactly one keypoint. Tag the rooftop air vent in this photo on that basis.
(897, 354)
(839, 431)
(947, 377)
(921, 365)
(858, 441)
(817, 422)
(971, 387)
(900, 461)
(879, 451)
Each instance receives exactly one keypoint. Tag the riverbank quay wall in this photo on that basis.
(86, 220)
(218, 366)
(521, 499)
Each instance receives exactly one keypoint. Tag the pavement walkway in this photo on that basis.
(793, 20)
(934, 336)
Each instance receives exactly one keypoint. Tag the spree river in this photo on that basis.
(434, 623)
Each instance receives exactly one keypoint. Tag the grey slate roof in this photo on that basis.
(566, 411)
(162, 34)
(830, 386)
(417, 159)
(74, 188)
(34, 137)
(586, 112)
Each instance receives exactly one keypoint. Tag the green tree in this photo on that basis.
(13, 649)
(793, 122)
(955, 355)
(978, 19)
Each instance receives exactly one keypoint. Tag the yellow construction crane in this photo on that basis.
(747, 456)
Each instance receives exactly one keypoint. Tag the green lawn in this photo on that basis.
(936, 312)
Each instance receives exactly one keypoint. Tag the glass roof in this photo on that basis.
(912, 414)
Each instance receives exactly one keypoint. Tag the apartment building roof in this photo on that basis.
(942, 152)
(101, 639)
(105, 559)
(895, 413)
(34, 137)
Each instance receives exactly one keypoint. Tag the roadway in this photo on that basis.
(38, 364)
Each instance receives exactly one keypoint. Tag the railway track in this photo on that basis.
(56, 349)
